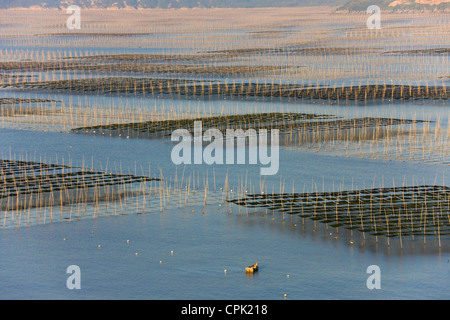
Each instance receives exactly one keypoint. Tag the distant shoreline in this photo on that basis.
(333, 9)
(167, 9)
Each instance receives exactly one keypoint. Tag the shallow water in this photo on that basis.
(34, 259)
(293, 262)
(207, 240)
(325, 171)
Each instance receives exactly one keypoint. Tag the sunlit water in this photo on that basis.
(292, 262)
(207, 240)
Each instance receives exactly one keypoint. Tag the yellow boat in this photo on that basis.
(252, 268)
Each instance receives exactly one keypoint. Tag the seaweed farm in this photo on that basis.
(364, 137)
(418, 211)
(189, 89)
(163, 129)
(285, 122)
(27, 186)
(37, 193)
(355, 120)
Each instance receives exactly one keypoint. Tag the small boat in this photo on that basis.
(252, 268)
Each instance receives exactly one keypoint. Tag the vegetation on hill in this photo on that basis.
(396, 5)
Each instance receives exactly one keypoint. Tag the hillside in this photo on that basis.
(397, 5)
(140, 4)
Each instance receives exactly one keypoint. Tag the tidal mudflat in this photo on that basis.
(87, 178)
